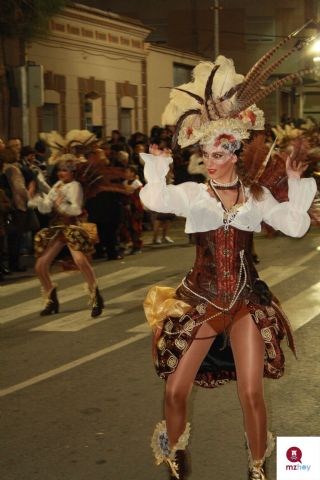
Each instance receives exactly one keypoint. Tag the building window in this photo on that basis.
(126, 122)
(260, 30)
(93, 113)
(312, 104)
(181, 73)
(50, 117)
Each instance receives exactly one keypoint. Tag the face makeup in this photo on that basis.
(219, 162)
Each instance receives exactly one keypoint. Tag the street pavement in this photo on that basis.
(80, 397)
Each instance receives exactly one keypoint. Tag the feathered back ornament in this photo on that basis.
(254, 155)
(61, 145)
(96, 176)
(218, 94)
(266, 166)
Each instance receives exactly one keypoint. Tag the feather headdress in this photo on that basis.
(219, 96)
(62, 145)
(93, 173)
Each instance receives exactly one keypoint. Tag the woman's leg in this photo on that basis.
(179, 383)
(96, 300)
(165, 228)
(248, 351)
(43, 263)
(85, 268)
(156, 230)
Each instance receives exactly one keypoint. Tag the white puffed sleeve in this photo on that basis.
(43, 202)
(160, 197)
(72, 199)
(290, 217)
(72, 203)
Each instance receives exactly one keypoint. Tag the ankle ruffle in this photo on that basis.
(269, 449)
(160, 443)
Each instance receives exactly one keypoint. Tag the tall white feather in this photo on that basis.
(224, 79)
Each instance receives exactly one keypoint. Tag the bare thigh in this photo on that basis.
(183, 377)
(248, 351)
(52, 250)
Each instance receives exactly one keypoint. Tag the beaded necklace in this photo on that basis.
(229, 214)
(225, 186)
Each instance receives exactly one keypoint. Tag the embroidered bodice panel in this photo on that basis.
(215, 273)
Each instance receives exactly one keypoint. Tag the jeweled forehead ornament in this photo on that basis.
(220, 103)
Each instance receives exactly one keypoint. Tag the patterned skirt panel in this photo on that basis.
(213, 281)
(75, 237)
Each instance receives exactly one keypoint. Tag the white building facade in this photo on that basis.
(100, 73)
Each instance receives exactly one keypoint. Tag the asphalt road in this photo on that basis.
(80, 398)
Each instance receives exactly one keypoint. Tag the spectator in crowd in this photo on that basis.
(4, 210)
(106, 147)
(137, 137)
(136, 159)
(123, 158)
(41, 153)
(133, 211)
(16, 191)
(118, 140)
(15, 144)
(106, 210)
(2, 144)
(27, 157)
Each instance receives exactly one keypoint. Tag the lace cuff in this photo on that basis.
(301, 193)
(156, 167)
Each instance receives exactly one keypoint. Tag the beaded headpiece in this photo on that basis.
(219, 105)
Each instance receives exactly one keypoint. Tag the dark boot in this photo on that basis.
(52, 304)
(97, 304)
(181, 465)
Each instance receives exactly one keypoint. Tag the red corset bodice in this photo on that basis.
(215, 274)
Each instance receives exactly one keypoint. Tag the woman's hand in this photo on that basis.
(155, 150)
(295, 168)
(59, 200)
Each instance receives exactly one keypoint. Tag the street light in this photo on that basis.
(316, 46)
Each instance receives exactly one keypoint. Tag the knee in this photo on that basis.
(176, 397)
(39, 265)
(80, 261)
(251, 397)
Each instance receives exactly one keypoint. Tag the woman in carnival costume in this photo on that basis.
(222, 323)
(65, 202)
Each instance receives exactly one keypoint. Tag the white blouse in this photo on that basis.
(203, 212)
(72, 199)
